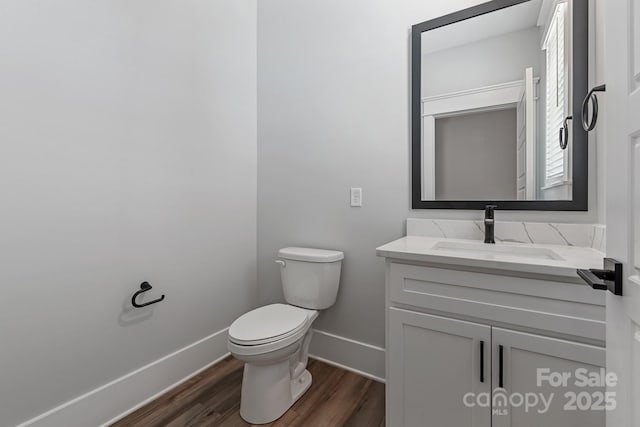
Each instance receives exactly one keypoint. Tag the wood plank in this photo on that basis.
(212, 398)
(340, 404)
(370, 412)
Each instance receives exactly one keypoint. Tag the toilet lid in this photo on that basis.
(267, 324)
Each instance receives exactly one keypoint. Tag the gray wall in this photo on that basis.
(476, 156)
(333, 113)
(128, 153)
(483, 63)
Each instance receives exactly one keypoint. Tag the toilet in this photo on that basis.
(273, 341)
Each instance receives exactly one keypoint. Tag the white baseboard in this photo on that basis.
(364, 359)
(112, 401)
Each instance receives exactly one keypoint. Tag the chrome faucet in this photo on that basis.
(489, 224)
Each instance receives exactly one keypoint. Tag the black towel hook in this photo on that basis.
(144, 287)
(564, 133)
(589, 126)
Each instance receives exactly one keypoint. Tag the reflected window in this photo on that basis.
(557, 96)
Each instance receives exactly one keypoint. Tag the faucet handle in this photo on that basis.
(489, 211)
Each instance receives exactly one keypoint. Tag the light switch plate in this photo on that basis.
(356, 197)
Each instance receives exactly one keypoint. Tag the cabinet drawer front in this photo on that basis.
(565, 308)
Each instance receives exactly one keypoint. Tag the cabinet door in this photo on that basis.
(525, 359)
(433, 362)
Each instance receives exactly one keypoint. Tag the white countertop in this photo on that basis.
(423, 249)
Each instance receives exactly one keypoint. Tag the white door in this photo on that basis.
(435, 362)
(526, 358)
(621, 108)
(526, 140)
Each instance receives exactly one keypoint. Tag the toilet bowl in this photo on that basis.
(273, 341)
(275, 356)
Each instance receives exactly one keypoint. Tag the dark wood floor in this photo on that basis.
(212, 398)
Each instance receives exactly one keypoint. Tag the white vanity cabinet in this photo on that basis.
(456, 334)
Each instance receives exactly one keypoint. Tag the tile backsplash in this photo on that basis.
(582, 235)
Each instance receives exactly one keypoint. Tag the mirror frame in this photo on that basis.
(580, 178)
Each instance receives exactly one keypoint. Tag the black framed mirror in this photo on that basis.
(494, 90)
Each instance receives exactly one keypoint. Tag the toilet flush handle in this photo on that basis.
(281, 263)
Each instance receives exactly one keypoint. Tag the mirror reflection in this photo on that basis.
(496, 90)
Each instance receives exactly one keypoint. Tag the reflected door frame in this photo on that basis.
(476, 100)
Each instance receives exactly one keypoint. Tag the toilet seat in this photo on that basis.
(269, 324)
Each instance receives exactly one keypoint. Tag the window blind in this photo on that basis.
(557, 96)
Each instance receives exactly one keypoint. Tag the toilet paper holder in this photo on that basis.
(144, 287)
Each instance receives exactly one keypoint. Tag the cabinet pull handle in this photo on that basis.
(481, 361)
(501, 370)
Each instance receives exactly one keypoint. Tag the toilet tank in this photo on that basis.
(310, 277)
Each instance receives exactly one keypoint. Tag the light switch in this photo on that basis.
(356, 197)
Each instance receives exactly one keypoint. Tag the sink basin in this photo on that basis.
(512, 251)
